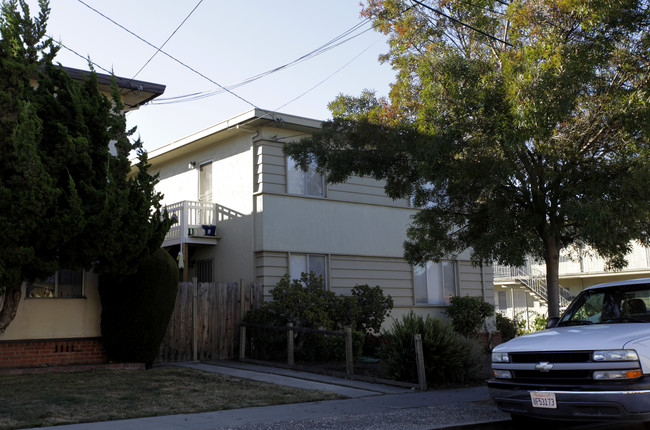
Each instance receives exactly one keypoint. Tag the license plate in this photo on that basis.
(541, 399)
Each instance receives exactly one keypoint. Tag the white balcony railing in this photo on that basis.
(193, 221)
(533, 280)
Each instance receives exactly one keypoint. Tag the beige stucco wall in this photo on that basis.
(63, 318)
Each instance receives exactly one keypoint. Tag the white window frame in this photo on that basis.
(430, 283)
(297, 180)
(211, 181)
(295, 272)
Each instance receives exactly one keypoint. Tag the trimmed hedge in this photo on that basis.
(136, 309)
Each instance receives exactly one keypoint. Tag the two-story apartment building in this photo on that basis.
(245, 212)
(520, 292)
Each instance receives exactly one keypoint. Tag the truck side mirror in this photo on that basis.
(552, 322)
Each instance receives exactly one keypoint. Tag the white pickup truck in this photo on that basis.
(591, 364)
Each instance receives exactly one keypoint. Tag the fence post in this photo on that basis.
(290, 344)
(349, 355)
(195, 319)
(419, 358)
(242, 342)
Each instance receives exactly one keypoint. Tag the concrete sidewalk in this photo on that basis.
(369, 406)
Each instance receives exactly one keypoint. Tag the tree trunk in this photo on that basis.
(552, 260)
(10, 306)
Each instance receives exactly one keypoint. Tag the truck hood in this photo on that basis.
(577, 338)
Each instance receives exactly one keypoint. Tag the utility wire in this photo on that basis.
(460, 22)
(80, 56)
(326, 78)
(168, 39)
(334, 43)
(168, 55)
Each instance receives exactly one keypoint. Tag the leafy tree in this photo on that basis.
(518, 128)
(66, 200)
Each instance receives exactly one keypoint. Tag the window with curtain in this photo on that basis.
(435, 283)
(63, 284)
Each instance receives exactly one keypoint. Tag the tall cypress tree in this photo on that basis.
(66, 200)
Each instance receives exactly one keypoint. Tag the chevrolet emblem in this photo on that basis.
(544, 366)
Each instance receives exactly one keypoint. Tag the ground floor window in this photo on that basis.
(64, 283)
(204, 270)
(502, 300)
(435, 283)
(306, 263)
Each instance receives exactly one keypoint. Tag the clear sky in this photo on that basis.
(228, 42)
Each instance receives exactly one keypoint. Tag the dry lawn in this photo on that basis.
(47, 399)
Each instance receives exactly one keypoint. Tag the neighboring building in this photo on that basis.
(58, 319)
(244, 212)
(521, 291)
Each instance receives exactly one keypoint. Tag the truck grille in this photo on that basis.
(553, 375)
(551, 357)
(569, 376)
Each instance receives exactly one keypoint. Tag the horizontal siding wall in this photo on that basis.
(363, 190)
(472, 283)
(270, 167)
(270, 175)
(270, 267)
(393, 275)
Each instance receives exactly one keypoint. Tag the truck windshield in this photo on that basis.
(609, 305)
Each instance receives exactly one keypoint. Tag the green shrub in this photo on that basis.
(306, 302)
(539, 323)
(468, 314)
(511, 328)
(266, 344)
(318, 347)
(506, 326)
(373, 307)
(136, 309)
(372, 344)
(448, 356)
(536, 322)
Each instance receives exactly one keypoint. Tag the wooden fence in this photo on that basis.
(205, 322)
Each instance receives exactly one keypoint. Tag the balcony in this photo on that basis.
(195, 223)
(532, 280)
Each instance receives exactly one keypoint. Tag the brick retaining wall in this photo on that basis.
(51, 352)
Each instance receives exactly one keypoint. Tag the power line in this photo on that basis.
(81, 56)
(333, 43)
(460, 22)
(168, 55)
(168, 39)
(326, 78)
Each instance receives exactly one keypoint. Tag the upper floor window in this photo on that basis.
(435, 283)
(309, 183)
(306, 263)
(64, 283)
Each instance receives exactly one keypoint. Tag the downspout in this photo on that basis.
(482, 280)
(254, 137)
